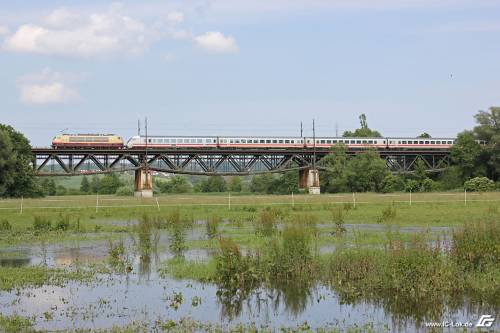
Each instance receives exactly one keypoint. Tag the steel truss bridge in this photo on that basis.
(210, 161)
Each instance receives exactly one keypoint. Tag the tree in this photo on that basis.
(95, 184)
(392, 183)
(287, 183)
(366, 171)
(176, 184)
(85, 185)
(17, 177)
(262, 183)
(109, 184)
(465, 155)
(334, 179)
(488, 129)
(424, 135)
(235, 184)
(213, 184)
(479, 184)
(364, 131)
(51, 187)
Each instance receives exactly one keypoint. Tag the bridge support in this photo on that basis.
(143, 183)
(309, 178)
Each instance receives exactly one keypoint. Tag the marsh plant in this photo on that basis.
(5, 225)
(388, 214)
(267, 223)
(212, 226)
(177, 239)
(41, 224)
(338, 216)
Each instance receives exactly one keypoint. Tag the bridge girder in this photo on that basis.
(51, 162)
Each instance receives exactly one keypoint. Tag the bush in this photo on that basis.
(412, 186)
(392, 183)
(41, 224)
(475, 246)
(5, 225)
(61, 190)
(479, 184)
(62, 223)
(124, 191)
(428, 185)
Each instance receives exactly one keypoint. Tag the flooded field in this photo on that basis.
(264, 268)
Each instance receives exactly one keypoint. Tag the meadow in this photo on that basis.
(413, 259)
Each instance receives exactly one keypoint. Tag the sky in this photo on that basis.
(253, 67)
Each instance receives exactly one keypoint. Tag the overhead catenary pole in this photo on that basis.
(139, 127)
(314, 147)
(301, 130)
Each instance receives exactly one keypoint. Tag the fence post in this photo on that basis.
(22, 200)
(465, 197)
(354, 199)
(97, 202)
(410, 197)
(293, 201)
(229, 200)
(157, 204)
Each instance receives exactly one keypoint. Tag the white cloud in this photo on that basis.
(46, 87)
(82, 35)
(175, 18)
(216, 42)
(92, 34)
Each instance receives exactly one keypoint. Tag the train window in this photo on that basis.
(199, 140)
(268, 141)
(438, 142)
(207, 140)
(243, 140)
(287, 141)
(399, 142)
(370, 142)
(426, 142)
(334, 141)
(192, 140)
(353, 141)
(292, 141)
(262, 141)
(149, 140)
(433, 142)
(237, 141)
(186, 140)
(322, 141)
(450, 142)
(329, 141)
(280, 141)
(421, 142)
(364, 141)
(404, 142)
(358, 141)
(275, 141)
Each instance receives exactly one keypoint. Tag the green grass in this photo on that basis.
(35, 276)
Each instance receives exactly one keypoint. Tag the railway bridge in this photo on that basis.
(216, 161)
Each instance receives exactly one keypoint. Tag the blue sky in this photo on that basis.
(225, 67)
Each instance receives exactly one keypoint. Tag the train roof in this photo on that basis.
(292, 137)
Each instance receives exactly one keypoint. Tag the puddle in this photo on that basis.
(142, 295)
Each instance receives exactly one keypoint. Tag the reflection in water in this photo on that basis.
(14, 262)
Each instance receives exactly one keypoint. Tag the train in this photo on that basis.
(100, 141)
(284, 142)
(87, 141)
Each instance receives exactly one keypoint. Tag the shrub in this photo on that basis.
(62, 223)
(412, 186)
(125, 191)
(479, 184)
(61, 190)
(41, 224)
(475, 246)
(266, 224)
(212, 226)
(5, 225)
(388, 213)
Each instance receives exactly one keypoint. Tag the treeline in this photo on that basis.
(265, 183)
(474, 167)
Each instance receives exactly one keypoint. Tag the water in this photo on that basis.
(142, 295)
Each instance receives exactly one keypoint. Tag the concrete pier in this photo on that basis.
(309, 178)
(143, 184)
